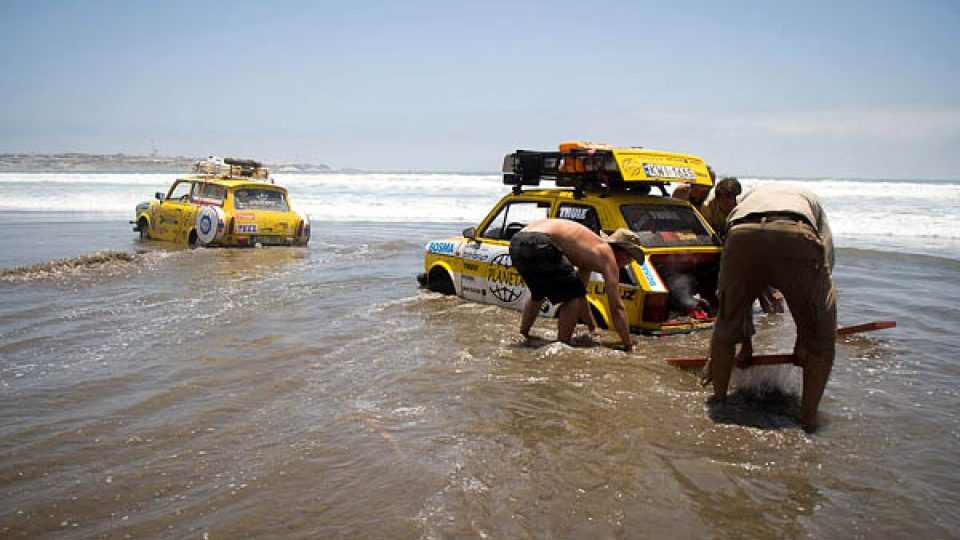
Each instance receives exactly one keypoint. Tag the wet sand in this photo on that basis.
(304, 393)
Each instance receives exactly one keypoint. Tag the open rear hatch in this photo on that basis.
(690, 280)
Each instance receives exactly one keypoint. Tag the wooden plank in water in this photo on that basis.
(758, 360)
(774, 359)
(865, 327)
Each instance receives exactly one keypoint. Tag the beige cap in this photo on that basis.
(628, 241)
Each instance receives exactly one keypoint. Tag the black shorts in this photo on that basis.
(546, 270)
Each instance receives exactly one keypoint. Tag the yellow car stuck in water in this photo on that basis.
(226, 202)
(603, 188)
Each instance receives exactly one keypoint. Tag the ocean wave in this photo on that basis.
(907, 211)
(87, 178)
(888, 255)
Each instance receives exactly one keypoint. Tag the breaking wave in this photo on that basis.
(883, 213)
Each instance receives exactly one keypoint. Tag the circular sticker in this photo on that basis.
(503, 280)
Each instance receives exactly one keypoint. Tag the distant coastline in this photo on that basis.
(123, 163)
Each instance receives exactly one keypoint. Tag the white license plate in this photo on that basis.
(267, 240)
(247, 229)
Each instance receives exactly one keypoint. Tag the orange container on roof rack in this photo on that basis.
(580, 145)
(579, 163)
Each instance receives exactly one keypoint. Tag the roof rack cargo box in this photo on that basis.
(582, 165)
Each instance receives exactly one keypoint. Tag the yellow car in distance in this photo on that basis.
(226, 202)
(603, 188)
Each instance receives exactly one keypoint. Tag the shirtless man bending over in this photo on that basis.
(555, 257)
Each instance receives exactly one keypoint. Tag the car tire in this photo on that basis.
(142, 227)
(439, 281)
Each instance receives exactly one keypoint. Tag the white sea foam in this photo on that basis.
(923, 216)
(912, 217)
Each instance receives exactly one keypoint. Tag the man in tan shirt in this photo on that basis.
(778, 237)
(716, 210)
(555, 257)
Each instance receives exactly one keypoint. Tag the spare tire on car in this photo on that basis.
(210, 225)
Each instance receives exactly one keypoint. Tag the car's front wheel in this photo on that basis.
(439, 281)
(142, 226)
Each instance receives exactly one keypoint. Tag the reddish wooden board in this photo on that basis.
(865, 327)
(774, 359)
(758, 360)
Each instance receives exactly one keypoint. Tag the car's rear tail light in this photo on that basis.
(655, 307)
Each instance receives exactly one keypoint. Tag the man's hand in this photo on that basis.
(745, 356)
(771, 300)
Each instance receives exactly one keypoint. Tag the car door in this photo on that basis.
(170, 219)
(488, 275)
(188, 211)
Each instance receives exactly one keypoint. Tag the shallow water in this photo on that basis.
(316, 392)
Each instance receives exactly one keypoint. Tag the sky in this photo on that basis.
(810, 89)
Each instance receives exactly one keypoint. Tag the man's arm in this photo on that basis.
(826, 236)
(618, 312)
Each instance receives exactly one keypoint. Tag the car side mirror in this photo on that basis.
(470, 232)
(158, 195)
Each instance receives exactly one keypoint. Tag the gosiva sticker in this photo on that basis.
(503, 280)
(441, 248)
(650, 274)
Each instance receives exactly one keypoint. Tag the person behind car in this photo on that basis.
(779, 237)
(695, 193)
(720, 203)
(555, 257)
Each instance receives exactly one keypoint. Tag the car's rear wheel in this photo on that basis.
(439, 281)
(192, 241)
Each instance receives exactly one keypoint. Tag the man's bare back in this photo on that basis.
(582, 246)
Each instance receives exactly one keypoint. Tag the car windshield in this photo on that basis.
(663, 225)
(259, 199)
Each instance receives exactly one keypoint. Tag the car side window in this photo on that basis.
(259, 199)
(181, 191)
(207, 193)
(664, 225)
(582, 214)
(514, 216)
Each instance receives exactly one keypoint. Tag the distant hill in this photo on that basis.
(82, 163)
